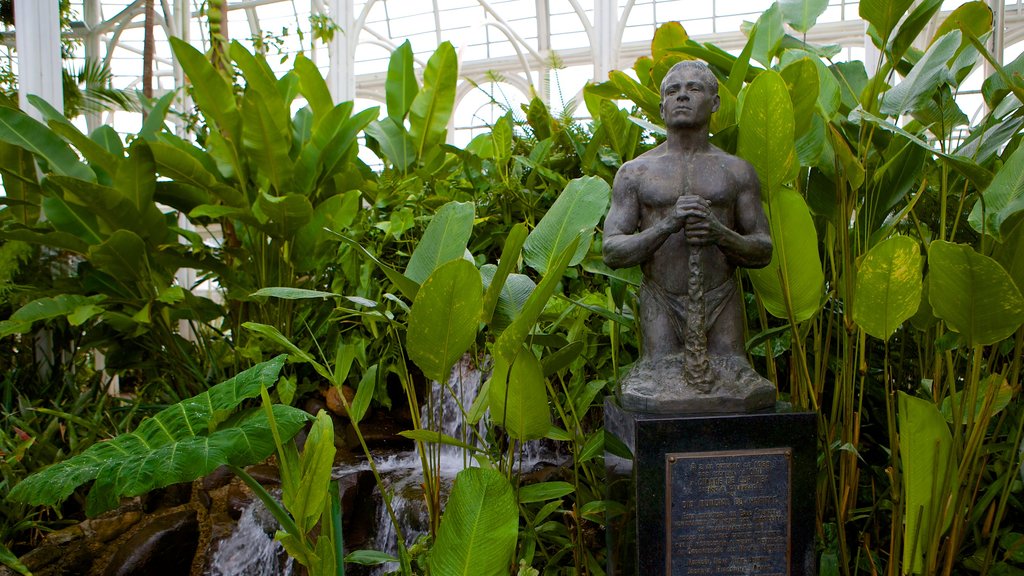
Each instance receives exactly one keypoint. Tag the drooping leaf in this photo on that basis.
(794, 280)
(46, 309)
(178, 164)
(310, 243)
(444, 240)
(444, 317)
(70, 219)
(432, 107)
(576, 212)
(998, 85)
(123, 256)
(769, 35)
(925, 449)
(21, 130)
(275, 336)
(929, 72)
(766, 137)
(912, 26)
(401, 87)
(436, 437)
(518, 395)
(544, 491)
(478, 530)
(647, 99)
(395, 142)
(973, 294)
(889, 285)
(993, 390)
(178, 444)
(1003, 198)
(405, 285)
(802, 14)
(136, 176)
(364, 393)
(292, 293)
(282, 216)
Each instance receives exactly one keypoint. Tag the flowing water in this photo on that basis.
(402, 476)
(251, 549)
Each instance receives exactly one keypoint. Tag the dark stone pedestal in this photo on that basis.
(715, 495)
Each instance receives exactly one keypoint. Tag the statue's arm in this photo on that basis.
(750, 245)
(624, 245)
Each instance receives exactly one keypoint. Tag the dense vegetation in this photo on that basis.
(892, 307)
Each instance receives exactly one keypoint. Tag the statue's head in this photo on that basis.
(689, 95)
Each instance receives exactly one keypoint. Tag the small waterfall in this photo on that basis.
(251, 549)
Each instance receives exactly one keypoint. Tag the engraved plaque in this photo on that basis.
(728, 513)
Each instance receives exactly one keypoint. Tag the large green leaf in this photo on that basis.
(888, 286)
(647, 99)
(575, 213)
(766, 137)
(259, 78)
(506, 264)
(336, 213)
(114, 209)
(19, 129)
(20, 183)
(307, 503)
(395, 142)
(432, 107)
(282, 216)
(444, 318)
(769, 35)
(182, 166)
(62, 305)
(802, 82)
(179, 444)
(338, 153)
(518, 395)
(929, 72)
(925, 449)
(1003, 198)
(96, 154)
(668, 36)
(973, 294)
(71, 219)
(793, 281)
(802, 14)
(123, 256)
(213, 94)
(478, 531)
(912, 26)
(266, 136)
(884, 14)
(136, 176)
(313, 87)
(401, 87)
(444, 240)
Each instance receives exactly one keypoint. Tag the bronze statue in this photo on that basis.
(689, 214)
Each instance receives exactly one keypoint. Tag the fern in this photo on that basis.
(13, 255)
(179, 444)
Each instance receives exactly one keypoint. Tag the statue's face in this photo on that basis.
(686, 100)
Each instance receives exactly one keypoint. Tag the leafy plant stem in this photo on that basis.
(271, 503)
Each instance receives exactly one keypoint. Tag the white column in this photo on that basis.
(183, 24)
(37, 29)
(342, 79)
(871, 53)
(544, 47)
(606, 48)
(93, 17)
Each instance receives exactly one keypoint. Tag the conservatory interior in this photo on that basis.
(318, 286)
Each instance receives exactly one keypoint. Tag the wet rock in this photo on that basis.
(219, 477)
(333, 398)
(380, 432)
(314, 405)
(265, 474)
(164, 546)
(109, 526)
(237, 500)
(167, 497)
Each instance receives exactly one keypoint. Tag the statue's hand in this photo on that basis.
(701, 226)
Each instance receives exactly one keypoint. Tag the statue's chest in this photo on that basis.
(661, 189)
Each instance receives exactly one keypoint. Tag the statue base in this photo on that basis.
(657, 387)
(727, 495)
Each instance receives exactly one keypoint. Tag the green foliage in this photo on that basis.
(888, 286)
(444, 317)
(478, 533)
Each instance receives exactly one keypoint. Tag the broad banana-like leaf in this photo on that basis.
(401, 87)
(518, 395)
(506, 264)
(888, 286)
(793, 281)
(767, 127)
(337, 213)
(432, 107)
(912, 26)
(313, 87)
(479, 528)
(71, 219)
(136, 176)
(109, 139)
(214, 95)
(21, 130)
(20, 183)
(1008, 253)
(336, 154)
(179, 444)
(925, 449)
(802, 82)
(405, 285)
(1003, 198)
(259, 78)
(275, 336)
(501, 138)
(48, 308)
(123, 256)
(282, 216)
(668, 36)
(884, 14)
(154, 122)
(973, 294)
(96, 155)
(113, 208)
(182, 166)
(929, 72)
(444, 318)
(444, 240)
(395, 142)
(802, 14)
(575, 214)
(647, 99)
(267, 137)
(998, 85)
(769, 35)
